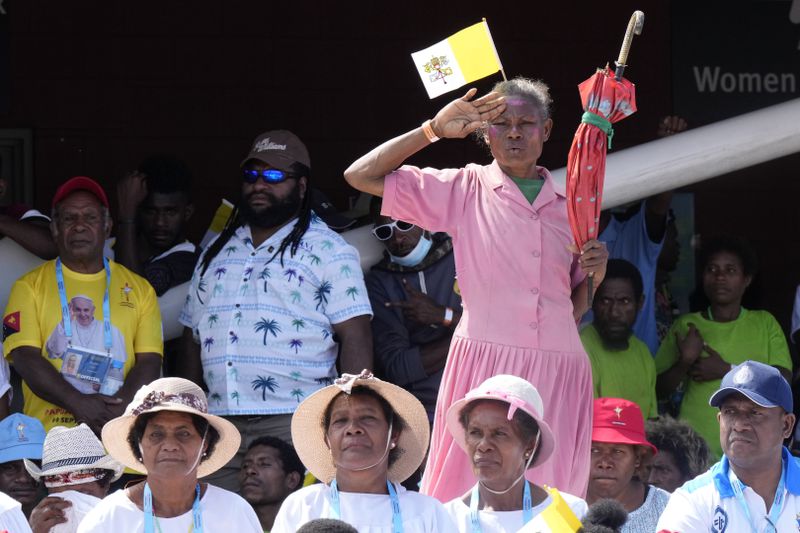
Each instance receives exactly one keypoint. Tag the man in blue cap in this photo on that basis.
(21, 437)
(756, 485)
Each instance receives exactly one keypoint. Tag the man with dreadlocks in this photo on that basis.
(270, 298)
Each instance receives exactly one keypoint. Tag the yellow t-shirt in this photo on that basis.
(33, 318)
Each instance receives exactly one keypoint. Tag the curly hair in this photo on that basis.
(535, 91)
(289, 459)
(691, 453)
(733, 245)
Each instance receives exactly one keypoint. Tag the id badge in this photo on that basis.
(86, 365)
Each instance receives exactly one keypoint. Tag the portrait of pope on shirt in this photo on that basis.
(87, 332)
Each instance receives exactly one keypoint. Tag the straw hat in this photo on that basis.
(71, 449)
(170, 394)
(308, 434)
(518, 394)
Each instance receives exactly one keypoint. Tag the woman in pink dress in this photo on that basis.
(522, 283)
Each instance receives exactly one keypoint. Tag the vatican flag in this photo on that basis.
(462, 58)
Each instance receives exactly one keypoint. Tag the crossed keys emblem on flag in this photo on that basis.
(437, 69)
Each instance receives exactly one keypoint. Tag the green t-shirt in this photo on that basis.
(755, 335)
(529, 187)
(628, 374)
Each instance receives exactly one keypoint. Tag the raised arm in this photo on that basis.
(456, 120)
(656, 207)
(131, 191)
(33, 235)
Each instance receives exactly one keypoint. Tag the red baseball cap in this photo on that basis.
(619, 421)
(80, 183)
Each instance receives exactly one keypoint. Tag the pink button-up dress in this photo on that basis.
(516, 275)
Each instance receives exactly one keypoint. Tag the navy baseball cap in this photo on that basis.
(762, 384)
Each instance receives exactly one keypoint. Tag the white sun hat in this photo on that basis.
(518, 394)
(170, 394)
(68, 450)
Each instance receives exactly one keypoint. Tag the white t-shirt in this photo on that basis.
(221, 511)
(12, 518)
(505, 521)
(368, 513)
(708, 503)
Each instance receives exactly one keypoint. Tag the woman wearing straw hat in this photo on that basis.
(362, 437)
(77, 473)
(621, 455)
(500, 425)
(167, 433)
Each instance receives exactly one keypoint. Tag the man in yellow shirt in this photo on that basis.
(622, 365)
(41, 304)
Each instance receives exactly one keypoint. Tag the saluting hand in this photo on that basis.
(461, 117)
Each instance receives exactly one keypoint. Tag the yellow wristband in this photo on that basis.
(427, 129)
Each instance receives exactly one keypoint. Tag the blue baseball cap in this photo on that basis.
(762, 384)
(21, 437)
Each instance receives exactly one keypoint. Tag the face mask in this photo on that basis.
(415, 256)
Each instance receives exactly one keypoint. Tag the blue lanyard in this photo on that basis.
(397, 519)
(775, 510)
(62, 294)
(149, 518)
(527, 507)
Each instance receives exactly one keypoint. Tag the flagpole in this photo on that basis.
(496, 55)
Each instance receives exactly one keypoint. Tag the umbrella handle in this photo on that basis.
(635, 25)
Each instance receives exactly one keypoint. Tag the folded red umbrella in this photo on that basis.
(605, 101)
(607, 98)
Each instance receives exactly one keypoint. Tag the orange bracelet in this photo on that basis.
(427, 129)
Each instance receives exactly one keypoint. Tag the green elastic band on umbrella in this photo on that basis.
(601, 122)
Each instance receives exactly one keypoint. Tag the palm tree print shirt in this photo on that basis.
(265, 329)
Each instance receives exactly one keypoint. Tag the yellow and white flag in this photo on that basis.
(462, 58)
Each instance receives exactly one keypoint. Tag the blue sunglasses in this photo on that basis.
(269, 176)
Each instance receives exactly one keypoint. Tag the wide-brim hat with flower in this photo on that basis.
(518, 394)
(308, 432)
(170, 394)
(70, 450)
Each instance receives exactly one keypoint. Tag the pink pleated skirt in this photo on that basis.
(564, 381)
